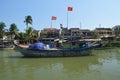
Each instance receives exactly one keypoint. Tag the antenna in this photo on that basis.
(99, 25)
(80, 25)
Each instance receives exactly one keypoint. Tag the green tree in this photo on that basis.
(21, 35)
(13, 30)
(29, 32)
(2, 29)
(28, 20)
(116, 30)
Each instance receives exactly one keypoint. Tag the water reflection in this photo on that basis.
(97, 67)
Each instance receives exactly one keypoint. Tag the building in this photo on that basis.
(65, 32)
(74, 31)
(51, 32)
(104, 32)
(85, 32)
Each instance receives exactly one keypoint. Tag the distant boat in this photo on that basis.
(6, 44)
(81, 50)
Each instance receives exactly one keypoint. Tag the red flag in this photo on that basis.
(54, 18)
(70, 8)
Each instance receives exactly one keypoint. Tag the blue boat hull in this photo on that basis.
(54, 53)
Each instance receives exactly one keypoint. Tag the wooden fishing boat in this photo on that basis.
(54, 52)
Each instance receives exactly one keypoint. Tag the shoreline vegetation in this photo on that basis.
(113, 44)
(109, 45)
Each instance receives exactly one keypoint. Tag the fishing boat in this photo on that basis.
(6, 44)
(43, 50)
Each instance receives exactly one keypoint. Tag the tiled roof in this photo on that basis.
(47, 29)
(103, 29)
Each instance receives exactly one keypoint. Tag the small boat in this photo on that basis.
(6, 44)
(82, 50)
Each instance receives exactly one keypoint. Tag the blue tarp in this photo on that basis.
(37, 46)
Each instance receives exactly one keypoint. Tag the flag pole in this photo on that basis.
(51, 23)
(67, 19)
(69, 9)
(60, 33)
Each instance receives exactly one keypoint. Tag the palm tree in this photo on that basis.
(13, 30)
(28, 20)
(2, 29)
(30, 33)
(21, 35)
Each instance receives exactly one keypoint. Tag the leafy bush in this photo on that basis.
(113, 44)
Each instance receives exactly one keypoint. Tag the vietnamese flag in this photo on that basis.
(53, 18)
(70, 9)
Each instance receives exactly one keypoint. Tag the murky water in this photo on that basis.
(103, 65)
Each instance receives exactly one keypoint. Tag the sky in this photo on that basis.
(86, 14)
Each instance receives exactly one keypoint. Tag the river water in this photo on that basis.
(102, 65)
